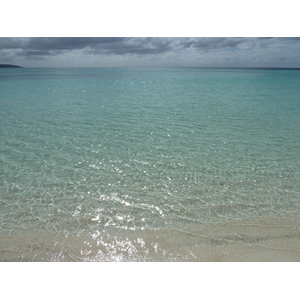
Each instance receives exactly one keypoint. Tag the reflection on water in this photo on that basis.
(86, 152)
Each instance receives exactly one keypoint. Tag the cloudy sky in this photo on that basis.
(151, 52)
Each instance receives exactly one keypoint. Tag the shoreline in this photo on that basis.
(271, 239)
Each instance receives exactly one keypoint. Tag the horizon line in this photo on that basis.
(186, 67)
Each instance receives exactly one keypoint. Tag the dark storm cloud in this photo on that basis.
(172, 51)
(69, 43)
(55, 43)
(290, 39)
(94, 45)
(39, 46)
(121, 45)
(10, 43)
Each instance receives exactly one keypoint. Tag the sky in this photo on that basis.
(108, 51)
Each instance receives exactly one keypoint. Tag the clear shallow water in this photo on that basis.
(91, 151)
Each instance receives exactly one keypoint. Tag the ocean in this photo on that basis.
(154, 164)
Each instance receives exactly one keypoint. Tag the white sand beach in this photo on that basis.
(260, 240)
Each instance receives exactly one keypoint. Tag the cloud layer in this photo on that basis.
(151, 52)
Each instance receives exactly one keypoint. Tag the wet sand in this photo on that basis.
(261, 240)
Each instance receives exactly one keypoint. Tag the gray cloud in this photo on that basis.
(212, 43)
(43, 48)
(108, 45)
(152, 51)
(10, 43)
(69, 43)
(134, 46)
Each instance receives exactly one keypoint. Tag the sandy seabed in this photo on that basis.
(271, 239)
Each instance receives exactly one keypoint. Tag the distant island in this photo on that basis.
(9, 66)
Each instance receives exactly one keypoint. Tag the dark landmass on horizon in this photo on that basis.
(9, 66)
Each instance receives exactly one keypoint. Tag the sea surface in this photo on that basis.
(107, 164)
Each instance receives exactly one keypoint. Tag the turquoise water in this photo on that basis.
(91, 151)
